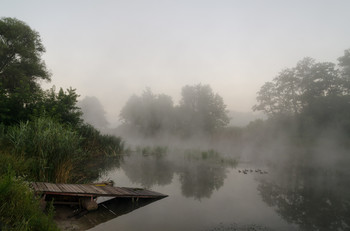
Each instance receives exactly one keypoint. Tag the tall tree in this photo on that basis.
(21, 67)
(61, 105)
(201, 109)
(344, 64)
(149, 113)
(296, 89)
(93, 112)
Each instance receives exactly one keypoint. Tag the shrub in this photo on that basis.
(18, 208)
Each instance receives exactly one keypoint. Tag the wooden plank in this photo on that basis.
(123, 190)
(42, 187)
(88, 190)
(76, 188)
(99, 189)
(34, 186)
(55, 188)
(70, 188)
(38, 187)
(62, 187)
(52, 187)
(130, 191)
(111, 190)
(83, 190)
(92, 190)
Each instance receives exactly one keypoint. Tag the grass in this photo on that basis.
(44, 150)
(51, 148)
(152, 150)
(96, 144)
(54, 150)
(18, 208)
(209, 155)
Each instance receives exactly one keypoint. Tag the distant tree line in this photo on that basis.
(200, 111)
(313, 96)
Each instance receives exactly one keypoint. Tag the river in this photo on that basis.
(211, 192)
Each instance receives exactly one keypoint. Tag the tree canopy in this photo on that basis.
(21, 68)
(297, 89)
(199, 110)
(93, 112)
(149, 113)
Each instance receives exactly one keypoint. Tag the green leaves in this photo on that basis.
(61, 106)
(295, 89)
(53, 147)
(21, 67)
(200, 110)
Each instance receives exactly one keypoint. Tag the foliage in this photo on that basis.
(51, 147)
(210, 155)
(41, 132)
(21, 68)
(149, 113)
(152, 151)
(201, 109)
(93, 112)
(294, 89)
(344, 64)
(96, 144)
(18, 210)
(315, 92)
(62, 106)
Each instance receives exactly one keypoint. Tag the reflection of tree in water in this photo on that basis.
(90, 170)
(149, 170)
(315, 199)
(201, 177)
(199, 174)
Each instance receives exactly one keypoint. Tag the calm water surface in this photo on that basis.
(209, 193)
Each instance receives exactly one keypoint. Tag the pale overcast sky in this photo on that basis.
(113, 49)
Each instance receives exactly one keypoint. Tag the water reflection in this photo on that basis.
(315, 198)
(208, 193)
(91, 169)
(149, 170)
(199, 177)
(200, 172)
(109, 210)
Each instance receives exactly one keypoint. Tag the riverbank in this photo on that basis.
(45, 150)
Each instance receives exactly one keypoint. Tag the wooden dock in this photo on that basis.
(91, 190)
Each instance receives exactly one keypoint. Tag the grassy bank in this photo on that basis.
(19, 209)
(48, 151)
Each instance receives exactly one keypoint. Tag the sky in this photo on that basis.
(113, 49)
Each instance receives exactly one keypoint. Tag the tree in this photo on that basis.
(201, 110)
(61, 106)
(149, 113)
(344, 64)
(21, 67)
(296, 89)
(93, 112)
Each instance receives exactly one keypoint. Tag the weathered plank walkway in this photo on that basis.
(90, 190)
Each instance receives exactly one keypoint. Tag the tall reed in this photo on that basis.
(52, 147)
(97, 144)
